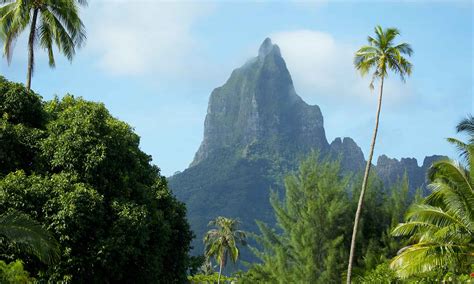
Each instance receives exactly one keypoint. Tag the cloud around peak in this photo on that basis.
(322, 67)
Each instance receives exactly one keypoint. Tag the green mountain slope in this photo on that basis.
(257, 129)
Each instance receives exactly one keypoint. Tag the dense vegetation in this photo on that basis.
(441, 227)
(81, 203)
(311, 237)
(310, 242)
(257, 130)
(80, 173)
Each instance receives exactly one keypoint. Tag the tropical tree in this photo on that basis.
(465, 126)
(381, 55)
(80, 172)
(49, 21)
(20, 230)
(311, 220)
(441, 228)
(222, 243)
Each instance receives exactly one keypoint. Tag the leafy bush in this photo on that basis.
(13, 273)
(209, 279)
(309, 243)
(80, 172)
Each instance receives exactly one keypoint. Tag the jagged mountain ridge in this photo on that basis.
(257, 129)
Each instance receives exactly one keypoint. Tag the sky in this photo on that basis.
(154, 64)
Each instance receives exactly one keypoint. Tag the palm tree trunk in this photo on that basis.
(364, 186)
(31, 42)
(220, 272)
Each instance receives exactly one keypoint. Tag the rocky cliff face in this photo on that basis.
(257, 110)
(351, 156)
(257, 129)
(391, 170)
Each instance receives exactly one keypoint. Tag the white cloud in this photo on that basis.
(322, 67)
(140, 37)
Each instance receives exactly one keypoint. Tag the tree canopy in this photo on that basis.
(310, 241)
(80, 173)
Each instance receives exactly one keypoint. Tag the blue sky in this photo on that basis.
(154, 65)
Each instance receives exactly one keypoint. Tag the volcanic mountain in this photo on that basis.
(256, 131)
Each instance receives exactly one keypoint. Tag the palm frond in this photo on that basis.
(433, 215)
(379, 35)
(14, 18)
(45, 36)
(450, 171)
(63, 40)
(426, 257)
(222, 242)
(404, 48)
(460, 146)
(441, 229)
(21, 230)
(66, 15)
(466, 125)
(390, 34)
(372, 41)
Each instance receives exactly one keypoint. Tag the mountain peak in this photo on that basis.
(268, 47)
(258, 111)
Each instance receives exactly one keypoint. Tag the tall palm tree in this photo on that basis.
(49, 21)
(441, 228)
(223, 242)
(20, 230)
(381, 55)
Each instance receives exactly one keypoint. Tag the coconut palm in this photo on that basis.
(381, 55)
(222, 243)
(466, 126)
(49, 21)
(441, 228)
(20, 230)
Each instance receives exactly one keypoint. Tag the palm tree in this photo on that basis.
(441, 228)
(20, 230)
(49, 21)
(466, 125)
(222, 242)
(381, 55)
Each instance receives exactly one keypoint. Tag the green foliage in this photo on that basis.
(311, 220)
(14, 273)
(210, 279)
(309, 243)
(21, 231)
(22, 122)
(382, 274)
(20, 106)
(441, 227)
(223, 243)
(196, 264)
(465, 126)
(385, 209)
(383, 55)
(86, 180)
